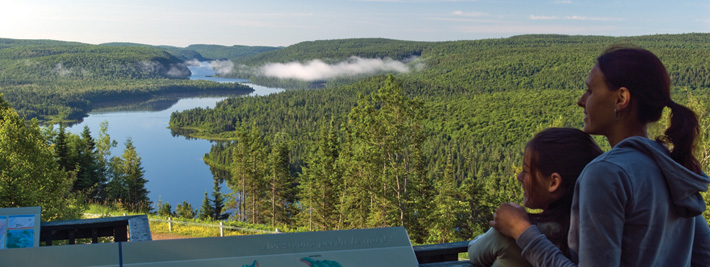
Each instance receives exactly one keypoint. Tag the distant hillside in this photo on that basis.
(58, 80)
(204, 52)
(519, 62)
(337, 50)
(234, 52)
(23, 62)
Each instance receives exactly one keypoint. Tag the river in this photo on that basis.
(172, 165)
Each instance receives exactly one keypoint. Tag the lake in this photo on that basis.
(172, 165)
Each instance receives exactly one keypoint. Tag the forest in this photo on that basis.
(459, 125)
(56, 81)
(435, 149)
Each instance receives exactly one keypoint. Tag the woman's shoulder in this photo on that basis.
(625, 156)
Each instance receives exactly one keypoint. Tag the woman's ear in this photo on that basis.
(623, 98)
(554, 183)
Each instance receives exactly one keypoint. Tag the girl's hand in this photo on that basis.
(511, 220)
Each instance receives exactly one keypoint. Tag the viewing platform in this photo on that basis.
(132, 244)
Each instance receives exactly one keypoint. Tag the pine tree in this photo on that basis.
(447, 207)
(165, 210)
(206, 210)
(280, 182)
(127, 183)
(386, 134)
(248, 175)
(185, 210)
(61, 149)
(90, 171)
(218, 203)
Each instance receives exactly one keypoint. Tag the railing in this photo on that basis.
(221, 226)
(441, 254)
(117, 227)
(137, 227)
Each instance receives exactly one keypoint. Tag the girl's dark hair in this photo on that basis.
(643, 74)
(565, 151)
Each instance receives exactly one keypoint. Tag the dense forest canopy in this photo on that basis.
(483, 100)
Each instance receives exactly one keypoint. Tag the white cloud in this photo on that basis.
(318, 70)
(575, 17)
(593, 18)
(222, 66)
(469, 14)
(533, 17)
(566, 2)
(537, 29)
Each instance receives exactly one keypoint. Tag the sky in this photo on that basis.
(286, 22)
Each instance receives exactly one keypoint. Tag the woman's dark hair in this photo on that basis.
(565, 151)
(647, 80)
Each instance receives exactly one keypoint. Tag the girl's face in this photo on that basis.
(598, 103)
(535, 193)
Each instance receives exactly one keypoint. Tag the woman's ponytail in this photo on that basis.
(682, 133)
(644, 75)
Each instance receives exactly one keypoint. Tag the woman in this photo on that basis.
(639, 203)
(552, 161)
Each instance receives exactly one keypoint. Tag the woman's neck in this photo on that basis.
(625, 131)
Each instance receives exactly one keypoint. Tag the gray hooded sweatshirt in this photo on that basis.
(632, 206)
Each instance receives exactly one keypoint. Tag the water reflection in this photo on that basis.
(172, 164)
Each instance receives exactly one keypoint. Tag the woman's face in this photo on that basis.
(598, 103)
(535, 194)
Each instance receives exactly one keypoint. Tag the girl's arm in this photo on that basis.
(511, 220)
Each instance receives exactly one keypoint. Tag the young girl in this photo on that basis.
(552, 160)
(639, 203)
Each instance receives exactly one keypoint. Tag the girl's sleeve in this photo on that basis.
(540, 251)
(701, 243)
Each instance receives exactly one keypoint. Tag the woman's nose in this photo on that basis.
(582, 100)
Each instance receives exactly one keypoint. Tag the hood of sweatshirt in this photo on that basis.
(684, 185)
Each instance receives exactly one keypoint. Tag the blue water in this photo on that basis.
(173, 166)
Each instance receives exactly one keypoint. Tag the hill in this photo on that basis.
(483, 100)
(54, 80)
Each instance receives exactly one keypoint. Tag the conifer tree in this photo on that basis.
(322, 185)
(447, 207)
(386, 133)
(90, 171)
(218, 203)
(185, 210)
(128, 183)
(280, 182)
(206, 210)
(61, 149)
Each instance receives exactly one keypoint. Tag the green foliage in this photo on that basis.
(51, 80)
(206, 210)
(165, 210)
(29, 174)
(127, 183)
(185, 210)
(484, 100)
(234, 52)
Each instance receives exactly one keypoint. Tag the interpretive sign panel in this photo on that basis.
(19, 227)
(362, 247)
